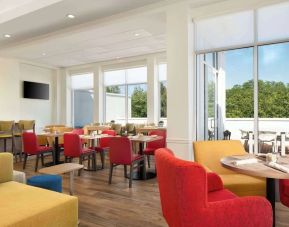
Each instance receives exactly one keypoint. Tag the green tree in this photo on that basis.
(163, 89)
(139, 102)
(113, 89)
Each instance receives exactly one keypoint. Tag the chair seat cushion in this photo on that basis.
(219, 195)
(98, 149)
(50, 182)
(149, 151)
(243, 185)
(5, 136)
(86, 151)
(44, 149)
(24, 205)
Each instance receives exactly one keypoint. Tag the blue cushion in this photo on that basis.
(50, 182)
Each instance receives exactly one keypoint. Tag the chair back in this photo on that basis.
(116, 128)
(104, 142)
(130, 128)
(25, 125)
(284, 191)
(72, 145)
(7, 126)
(183, 188)
(209, 153)
(78, 131)
(158, 143)
(29, 141)
(120, 151)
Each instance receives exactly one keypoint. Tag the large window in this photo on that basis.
(82, 99)
(162, 69)
(248, 91)
(126, 95)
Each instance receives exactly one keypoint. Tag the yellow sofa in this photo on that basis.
(26, 206)
(209, 154)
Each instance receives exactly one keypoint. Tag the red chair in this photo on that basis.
(104, 145)
(31, 147)
(73, 149)
(284, 192)
(154, 145)
(120, 153)
(191, 197)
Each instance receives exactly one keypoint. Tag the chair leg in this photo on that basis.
(42, 159)
(25, 160)
(5, 145)
(65, 159)
(94, 161)
(130, 174)
(125, 170)
(102, 157)
(110, 173)
(89, 162)
(144, 169)
(148, 158)
(36, 164)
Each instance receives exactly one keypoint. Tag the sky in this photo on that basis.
(273, 64)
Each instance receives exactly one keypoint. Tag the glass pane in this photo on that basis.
(83, 100)
(116, 77)
(162, 72)
(273, 85)
(237, 73)
(223, 31)
(137, 102)
(82, 81)
(115, 104)
(211, 91)
(163, 98)
(137, 75)
(273, 22)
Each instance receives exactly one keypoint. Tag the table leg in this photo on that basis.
(71, 182)
(270, 189)
(56, 151)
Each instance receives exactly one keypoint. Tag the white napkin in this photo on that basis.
(279, 167)
(245, 161)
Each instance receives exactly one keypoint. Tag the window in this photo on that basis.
(162, 69)
(82, 99)
(126, 95)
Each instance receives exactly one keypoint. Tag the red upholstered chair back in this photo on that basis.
(30, 145)
(182, 186)
(284, 192)
(78, 131)
(120, 151)
(72, 145)
(104, 142)
(158, 143)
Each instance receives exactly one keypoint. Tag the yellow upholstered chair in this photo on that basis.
(6, 132)
(209, 154)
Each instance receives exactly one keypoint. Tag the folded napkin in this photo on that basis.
(279, 167)
(245, 161)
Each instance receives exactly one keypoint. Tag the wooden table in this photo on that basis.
(56, 153)
(142, 140)
(97, 128)
(148, 129)
(259, 170)
(62, 169)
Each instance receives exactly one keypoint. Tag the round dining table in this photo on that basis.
(260, 169)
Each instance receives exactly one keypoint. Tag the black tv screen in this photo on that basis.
(32, 90)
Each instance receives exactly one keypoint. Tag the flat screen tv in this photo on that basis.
(32, 90)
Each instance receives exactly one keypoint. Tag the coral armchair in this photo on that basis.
(192, 197)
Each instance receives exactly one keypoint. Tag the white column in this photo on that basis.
(180, 59)
(98, 95)
(152, 90)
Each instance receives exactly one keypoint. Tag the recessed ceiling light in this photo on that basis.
(43, 54)
(136, 34)
(70, 16)
(7, 36)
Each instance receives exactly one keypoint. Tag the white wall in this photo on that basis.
(13, 106)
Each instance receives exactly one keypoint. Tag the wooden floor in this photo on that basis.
(115, 205)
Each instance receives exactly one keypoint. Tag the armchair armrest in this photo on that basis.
(214, 182)
(242, 211)
(6, 167)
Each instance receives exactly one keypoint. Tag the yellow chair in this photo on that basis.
(209, 154)
(24, 205)
(6, 132)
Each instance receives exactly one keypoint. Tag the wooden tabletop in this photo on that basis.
(61, 168)
(145, 139)
(97, 127)
(149, 128)
(52, 134)
(257, 169)
(92, 137)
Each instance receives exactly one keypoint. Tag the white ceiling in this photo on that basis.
(68, 42)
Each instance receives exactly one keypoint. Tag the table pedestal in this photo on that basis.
(270, 194)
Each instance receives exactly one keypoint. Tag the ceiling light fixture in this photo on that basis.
(43, 54)
(70, 16)
(136, 34)
(7, 36)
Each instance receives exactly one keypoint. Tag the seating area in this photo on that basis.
(148, 113)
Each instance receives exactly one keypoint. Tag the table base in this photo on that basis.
(270, 194)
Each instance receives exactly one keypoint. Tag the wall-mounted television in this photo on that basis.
(32, 90)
